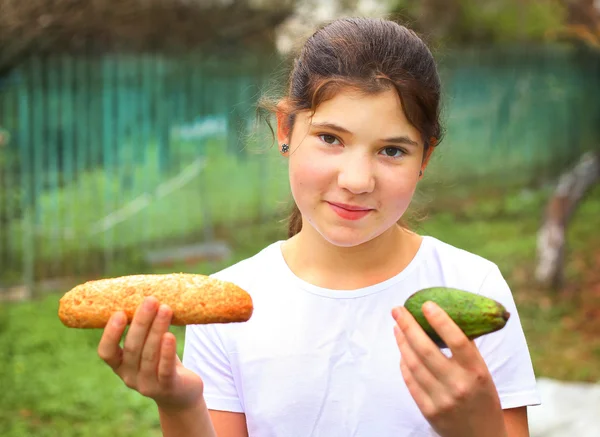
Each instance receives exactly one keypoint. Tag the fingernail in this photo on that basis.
(148, 304)
(430, 308)
(118, 319)
(395, 313)
(163, 311)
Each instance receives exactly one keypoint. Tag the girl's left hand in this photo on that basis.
(456, 395)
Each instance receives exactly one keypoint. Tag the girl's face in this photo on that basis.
(353, 166)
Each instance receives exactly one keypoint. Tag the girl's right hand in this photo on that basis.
(148, 361)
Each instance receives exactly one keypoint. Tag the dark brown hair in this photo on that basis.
(369, 55)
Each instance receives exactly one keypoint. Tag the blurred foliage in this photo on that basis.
(99, 26)
(460, 22)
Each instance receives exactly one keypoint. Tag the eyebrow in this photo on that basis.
(403, 139)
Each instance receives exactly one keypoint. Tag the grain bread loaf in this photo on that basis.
(194, 299)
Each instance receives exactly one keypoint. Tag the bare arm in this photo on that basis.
(228, 424)
(194, 422)
(202, 422)
(515, 420)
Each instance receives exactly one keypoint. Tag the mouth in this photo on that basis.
(350, 207)
(349, 212)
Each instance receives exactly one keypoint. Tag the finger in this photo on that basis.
(108, 348)
(421, 398)
(168, 359)
(428, 382)
(463, 350)
(151, 350)
(136, 337)
(425, 349)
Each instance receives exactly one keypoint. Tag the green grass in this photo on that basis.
(53, 383)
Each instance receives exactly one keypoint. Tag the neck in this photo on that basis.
(317, 261)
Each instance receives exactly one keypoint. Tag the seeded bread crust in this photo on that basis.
(194, 299)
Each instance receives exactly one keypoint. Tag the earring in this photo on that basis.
(421, 173)
(285, 148)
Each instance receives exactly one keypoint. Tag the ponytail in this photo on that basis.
(294, 221)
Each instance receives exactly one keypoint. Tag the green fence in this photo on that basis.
(107, 158)
(115, 154)
(518, 115)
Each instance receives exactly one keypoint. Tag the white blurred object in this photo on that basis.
(569, 409)
(311, 13)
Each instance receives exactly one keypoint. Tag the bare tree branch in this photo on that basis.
(571, 188)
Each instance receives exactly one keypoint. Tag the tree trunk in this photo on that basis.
(571, 188)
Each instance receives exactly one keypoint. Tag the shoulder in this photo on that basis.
(258, 260)
(251, 271)
(251, 275)
(459, 268)
(456, 255)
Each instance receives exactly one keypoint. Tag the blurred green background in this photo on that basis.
(150, 160)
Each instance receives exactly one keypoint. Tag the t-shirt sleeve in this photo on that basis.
(506, 352)
(205, 354)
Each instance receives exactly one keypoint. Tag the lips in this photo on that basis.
(350, 207)
(349, 212)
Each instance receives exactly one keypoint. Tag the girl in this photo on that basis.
(329, 350)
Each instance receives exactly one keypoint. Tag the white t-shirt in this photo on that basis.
(324, 363)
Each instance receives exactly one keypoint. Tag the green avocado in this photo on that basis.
(474, 314)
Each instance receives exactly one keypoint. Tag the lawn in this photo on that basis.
(53, 383)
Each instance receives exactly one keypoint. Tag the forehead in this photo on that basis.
(379, 114)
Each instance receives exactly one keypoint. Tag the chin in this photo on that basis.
(348, 237)
(348, 233)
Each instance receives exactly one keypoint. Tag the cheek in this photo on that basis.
(308, 173)
(397, 189)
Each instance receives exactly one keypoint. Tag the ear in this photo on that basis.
(283, 126)
(426, 160)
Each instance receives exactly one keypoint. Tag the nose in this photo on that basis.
(356, 174)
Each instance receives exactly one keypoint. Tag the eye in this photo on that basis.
(328, 139)
(393, 152)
